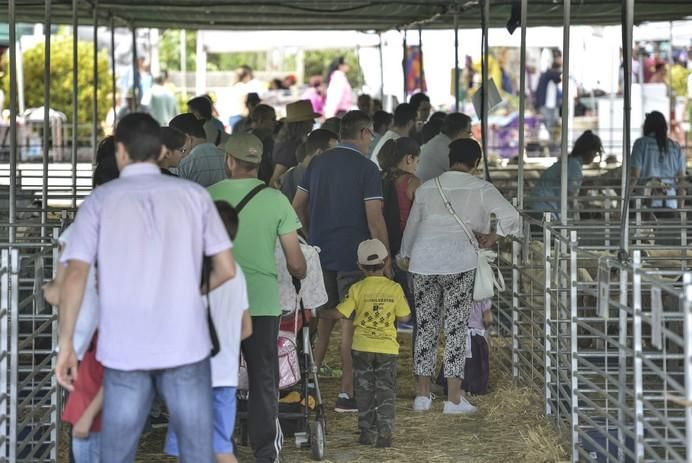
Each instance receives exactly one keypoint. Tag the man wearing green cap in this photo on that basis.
(264, 215)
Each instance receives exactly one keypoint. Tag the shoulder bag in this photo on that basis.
(485, 282)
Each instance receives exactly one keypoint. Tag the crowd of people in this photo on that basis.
(169, 270)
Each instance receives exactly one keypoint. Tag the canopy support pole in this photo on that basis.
(566, 21)
(95, 115)
(457, 74)
(46, 120)
(627, 30)
(113, 83)
(403, 64)
(75, 100)
(380, 52)
(135, 71)
(485, 51)
(522, 108)
(420, 59)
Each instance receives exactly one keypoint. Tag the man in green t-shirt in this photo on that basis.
(265, 217)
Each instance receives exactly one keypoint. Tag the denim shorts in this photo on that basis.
(224, 422)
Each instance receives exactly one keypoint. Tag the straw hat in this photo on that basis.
(299, 111)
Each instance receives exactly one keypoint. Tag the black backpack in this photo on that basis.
(391, 209)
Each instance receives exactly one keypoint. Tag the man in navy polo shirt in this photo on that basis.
(339, 203)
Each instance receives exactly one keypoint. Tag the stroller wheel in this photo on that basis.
(317, 440)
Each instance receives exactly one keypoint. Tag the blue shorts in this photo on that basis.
(224, 422)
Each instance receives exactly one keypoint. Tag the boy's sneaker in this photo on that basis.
(422, 403)
(345, 404)
(404, 327)
(383, 442)
(462, 408)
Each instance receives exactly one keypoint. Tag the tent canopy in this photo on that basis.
(336, 14)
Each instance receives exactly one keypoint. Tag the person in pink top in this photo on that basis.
(148, 233)
(315, 93)
(339, 91)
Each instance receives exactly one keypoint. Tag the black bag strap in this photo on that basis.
(251, 194)
(213, 335)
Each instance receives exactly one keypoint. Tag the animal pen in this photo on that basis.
(598, 316)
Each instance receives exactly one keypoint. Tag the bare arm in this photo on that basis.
(300, 205)
(51, 290)
(222, 269)
(378, 227)
(246, 330)
(71, 294)
(278, 170)
(404, 319)
(295, 260)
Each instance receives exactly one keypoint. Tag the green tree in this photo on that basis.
(61, 78)
(169, 50)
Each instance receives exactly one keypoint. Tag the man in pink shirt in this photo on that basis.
(147, 233)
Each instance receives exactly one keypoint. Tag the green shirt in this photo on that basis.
(266, 217)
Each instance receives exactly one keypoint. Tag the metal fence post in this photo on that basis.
(637, 345)
(4, 347)
(547, 345)
(516, 287)
(574, 385)
(687, 308)
(13, 314)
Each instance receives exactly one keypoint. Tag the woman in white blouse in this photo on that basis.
(443, 263)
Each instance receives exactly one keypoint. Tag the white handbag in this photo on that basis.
(485, 282)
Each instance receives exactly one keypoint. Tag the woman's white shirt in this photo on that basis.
(434, 241)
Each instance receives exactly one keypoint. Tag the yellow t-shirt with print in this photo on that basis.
(374, 305)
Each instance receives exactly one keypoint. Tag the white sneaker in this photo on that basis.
(462, 408)
(422, 403)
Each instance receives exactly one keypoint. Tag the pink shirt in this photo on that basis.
(148, 233)
(339, 95)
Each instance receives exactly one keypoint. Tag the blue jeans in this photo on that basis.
(128, 395)
(87, 450)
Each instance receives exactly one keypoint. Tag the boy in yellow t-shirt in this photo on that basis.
(375, 304)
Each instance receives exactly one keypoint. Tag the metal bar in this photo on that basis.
(380, 53)
(574, 422)
(13, 119)
(46, 119)
(687, 311)
(113, 83)
(456, 62)
(627, 27)
(566, 21)
(4, 343)
(516, 275)
(403, 65)
(135, 70)
(75, 100)
(485, 50)
(522, 106)
(14, 337)
(547, 346)
(95, 116)
(420, 59)
(56, 399)
(637, 359)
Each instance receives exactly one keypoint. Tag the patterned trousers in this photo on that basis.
(375, 389)
(442, 299)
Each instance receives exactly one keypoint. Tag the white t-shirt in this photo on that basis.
(88, 318)
(313, 292)
(228, 302)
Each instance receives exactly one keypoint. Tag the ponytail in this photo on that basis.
(393, 151)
